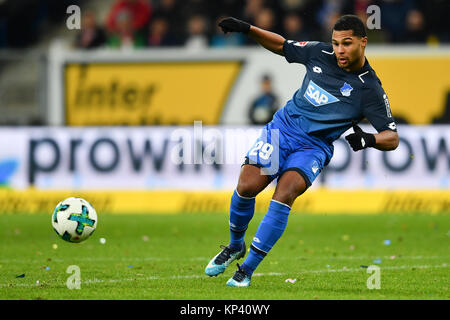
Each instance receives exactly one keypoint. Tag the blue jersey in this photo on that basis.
(331, 99)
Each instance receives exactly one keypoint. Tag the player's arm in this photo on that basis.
(377, 110)
(269, 40)
(386, 140)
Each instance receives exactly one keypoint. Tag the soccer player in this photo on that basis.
(339, 90)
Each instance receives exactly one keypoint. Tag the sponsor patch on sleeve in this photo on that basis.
(301, 44)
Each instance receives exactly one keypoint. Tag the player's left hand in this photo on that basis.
(231, 24)
(360, 139)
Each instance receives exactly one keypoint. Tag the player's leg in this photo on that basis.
(242, 207)
(261, 167)
(290, 185)
(298, 172)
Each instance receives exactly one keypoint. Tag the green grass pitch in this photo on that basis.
(163, 257)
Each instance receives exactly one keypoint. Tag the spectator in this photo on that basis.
(125, 36)
(292, 5)
(359, 8)
(326, 17)
(228, 8)
(415, 27)
(198, 7)
(294, 29)
(159, 33)
(265, 105)
(265, 19)
(252, 9)
(393, 18)
(436, 13)
(140, 11)
(197, 33)
(170, 11)
(326, 31)
(91, 34)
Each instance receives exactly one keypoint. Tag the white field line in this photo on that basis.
(203, 276)
(144, 259)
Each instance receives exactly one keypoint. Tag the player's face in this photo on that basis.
(349, 49)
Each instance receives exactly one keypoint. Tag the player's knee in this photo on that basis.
(289, 188)
(286, 196)
(247, 189)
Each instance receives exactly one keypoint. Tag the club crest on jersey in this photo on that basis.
(318, 96)
(346, 89)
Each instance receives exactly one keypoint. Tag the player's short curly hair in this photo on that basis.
(351, 22)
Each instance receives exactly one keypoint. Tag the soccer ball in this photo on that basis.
(74, 219)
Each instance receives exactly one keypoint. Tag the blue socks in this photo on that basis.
(269, 231)
(241, 212)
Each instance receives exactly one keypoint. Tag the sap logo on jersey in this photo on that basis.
(318, 96)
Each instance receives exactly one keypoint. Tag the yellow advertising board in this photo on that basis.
(146, 93)
(180, 92)
(353, 202)
(417, 86)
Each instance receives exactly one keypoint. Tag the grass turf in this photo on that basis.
(163, 257)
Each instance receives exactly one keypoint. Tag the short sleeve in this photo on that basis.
(377, 110)
(295, 51)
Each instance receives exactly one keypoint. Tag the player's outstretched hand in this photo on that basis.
(231, 24)
(360, 139)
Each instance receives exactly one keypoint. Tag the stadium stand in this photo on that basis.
(30, 25)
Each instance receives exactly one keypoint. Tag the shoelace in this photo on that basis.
(240, 274)
(224, 255)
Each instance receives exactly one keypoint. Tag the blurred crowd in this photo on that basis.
(193, 23)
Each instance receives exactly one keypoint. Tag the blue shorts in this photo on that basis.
(280, 148)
